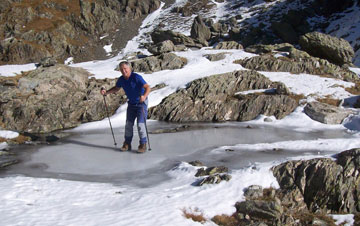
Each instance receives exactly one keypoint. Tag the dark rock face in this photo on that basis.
(215, 98)
(54, 98)
(325, 185)
(336, 50)
(59, 29)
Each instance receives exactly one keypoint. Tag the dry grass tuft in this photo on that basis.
(195, 215)
(331, 101)
(225, 220)
(355, 90)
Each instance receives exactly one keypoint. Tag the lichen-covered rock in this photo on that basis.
(54, 98)
(336, 50)
(325, 185)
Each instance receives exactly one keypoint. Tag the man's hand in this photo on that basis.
(142, 99)
(103, 91)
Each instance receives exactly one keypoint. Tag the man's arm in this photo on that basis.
(110, 91)
(146, 93)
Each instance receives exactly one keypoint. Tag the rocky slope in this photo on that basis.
(31, 30)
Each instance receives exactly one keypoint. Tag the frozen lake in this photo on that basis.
(91, 156)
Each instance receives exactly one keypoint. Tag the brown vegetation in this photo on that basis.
(354, 89)
(225, 220)
(195, 215)
(331, 101)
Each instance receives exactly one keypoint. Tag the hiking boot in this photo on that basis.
(141, 148)
(125, 147)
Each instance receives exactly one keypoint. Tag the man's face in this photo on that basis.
(125, 70)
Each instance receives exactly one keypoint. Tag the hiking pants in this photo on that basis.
(139, 112)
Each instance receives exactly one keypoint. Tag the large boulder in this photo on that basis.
(325, 185)
(217, 98)
(54, 98)
(336, 50)
(165, 61)
(326, 113)
(199, 30)
(162, 47)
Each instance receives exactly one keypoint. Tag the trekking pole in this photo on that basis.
(107, 112)
(147, 134)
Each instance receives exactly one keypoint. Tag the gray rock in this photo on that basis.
(162, 47)
(253, 192)
(211, 171)
(215, 57)
(47, 62)
(326, 113)
(214, 179)
(336, 50)
(228, 45)
(196, 163)
(164, 61)
(261, 48)
(213, 99)
(199, 30)
(258, 209)
(55, 98)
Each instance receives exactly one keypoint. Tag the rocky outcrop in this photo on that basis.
(326, 113)
(165, 47)
(298, 62)
(228, 45)
(335, 50)
(165, 61)
(199, 31)
(61, 29)
(309, 190)
(54, 98)
(216, 98)
(176, 37)
(211, 175)
(324, 184)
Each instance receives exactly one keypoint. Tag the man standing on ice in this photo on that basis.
(137, 91)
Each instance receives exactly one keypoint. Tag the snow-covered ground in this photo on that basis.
(28, 200)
